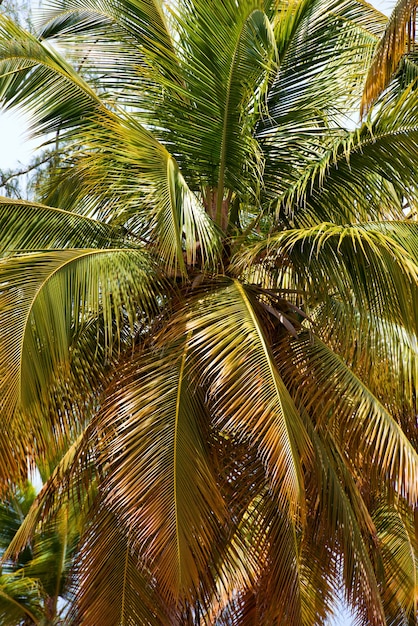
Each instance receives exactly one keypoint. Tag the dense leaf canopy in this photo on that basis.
(209, 318)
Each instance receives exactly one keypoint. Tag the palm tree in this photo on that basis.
(33, 586)
(212, 337)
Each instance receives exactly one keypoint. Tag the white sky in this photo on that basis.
(16, 148)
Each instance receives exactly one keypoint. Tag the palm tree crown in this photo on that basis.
(208, 320)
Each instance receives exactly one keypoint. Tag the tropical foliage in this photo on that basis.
(208, 321)
(33, 586)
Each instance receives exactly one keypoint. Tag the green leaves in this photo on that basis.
(138, 27)
(222, 96)
(317, 86)
(364, 265)
(45, 300)
(19, 599)
(331, 187)
(184, 232)
(35, 76)
(253, 61)
(210, 343)
(32, 584)
(29, 226)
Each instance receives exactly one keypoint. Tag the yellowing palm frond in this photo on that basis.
(153, 430)
(382, 443)
(398, 39)
(329, 260)
(245, 388)
(397, 535)
(110, 589)
(209, 347)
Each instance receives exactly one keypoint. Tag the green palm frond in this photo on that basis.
(331, 188)
(312, 52)
(356, 263)
(33, 75)
(124, 156)
(52, 554)
(375, 333)
(219, 95)
(366, 341)
(47, 504)
(185, 233)
(140, 24)
(20, 599)
(306, 104)
(42, 311)
(68, 99)
(28, 226)
(13, 510)
(35, 580)
(407, 72)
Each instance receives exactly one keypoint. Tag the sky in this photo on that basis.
(16, 151)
